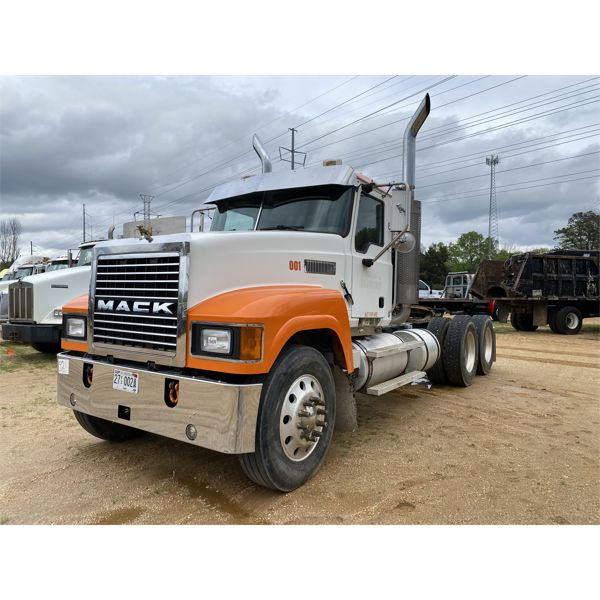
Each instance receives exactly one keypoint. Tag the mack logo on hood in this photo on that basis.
(136, 306)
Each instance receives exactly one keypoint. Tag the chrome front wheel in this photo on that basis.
(302, 418)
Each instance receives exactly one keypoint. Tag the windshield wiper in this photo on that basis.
(282, 228)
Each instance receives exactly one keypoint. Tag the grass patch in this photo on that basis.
(589, 328)
(15, 356)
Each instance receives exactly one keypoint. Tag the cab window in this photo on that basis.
(369, 224)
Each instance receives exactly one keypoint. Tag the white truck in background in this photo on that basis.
(458, 285)
(33, 304)
(30, 264)
(252, 339)
(425, 291)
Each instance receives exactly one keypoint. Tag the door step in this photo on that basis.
(391, 384)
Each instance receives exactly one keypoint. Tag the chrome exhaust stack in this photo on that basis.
(407, 263)
(410, 137)
(267, 166)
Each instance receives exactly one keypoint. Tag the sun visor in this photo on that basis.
(334, 175)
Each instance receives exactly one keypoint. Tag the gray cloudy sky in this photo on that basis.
(103, 141)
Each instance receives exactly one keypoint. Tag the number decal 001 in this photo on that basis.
(295, 265)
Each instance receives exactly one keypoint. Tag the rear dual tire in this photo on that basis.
(522, 321)
(460, 351)
(566, 320)
(486, 342)
(468, 348)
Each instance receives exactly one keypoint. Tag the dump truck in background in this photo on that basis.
(252, 338)
(558, 289)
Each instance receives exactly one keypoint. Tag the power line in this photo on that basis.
(264, 125)
(412, 104)
(480, 154)
(426, 202)
(344, 102)
(507, 185)
(361, 154)
(515, 103)
(377, 111)
(368, 116)
(546, 162)
(214, 167)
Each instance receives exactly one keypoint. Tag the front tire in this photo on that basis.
(47, 347)
(106, 430)
(295, 421)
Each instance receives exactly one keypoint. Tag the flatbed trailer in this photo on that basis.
(456, 306)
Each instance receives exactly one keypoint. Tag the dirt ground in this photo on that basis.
(519, 446)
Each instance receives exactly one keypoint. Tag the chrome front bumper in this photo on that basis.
(224, 415)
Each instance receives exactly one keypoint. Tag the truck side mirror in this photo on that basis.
(400, 213)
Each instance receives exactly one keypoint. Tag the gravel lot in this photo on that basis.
(521, 445)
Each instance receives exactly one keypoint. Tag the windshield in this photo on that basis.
(23, 272)
(57, 266)
(321, 209)
(85, 257)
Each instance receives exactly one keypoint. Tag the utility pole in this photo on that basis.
(492, 161)
(293, 149)
(84, 222)
(293, 152)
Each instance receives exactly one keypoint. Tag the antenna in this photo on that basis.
(492, 161)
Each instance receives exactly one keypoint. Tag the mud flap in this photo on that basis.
(345, 417)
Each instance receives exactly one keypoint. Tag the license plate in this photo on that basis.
(126, 381)
(63, 366)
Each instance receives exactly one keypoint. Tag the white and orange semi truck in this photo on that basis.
(254, 338)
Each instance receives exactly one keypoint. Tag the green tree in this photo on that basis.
(582, 232)
(434, 265)
(468, 251)
(542, 250)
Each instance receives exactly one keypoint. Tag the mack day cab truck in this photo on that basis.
(253, 338)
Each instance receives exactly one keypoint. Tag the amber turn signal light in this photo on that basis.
(250, 343)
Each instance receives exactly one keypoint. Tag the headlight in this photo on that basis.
(215, 341)
(235, 342)
(75, 327)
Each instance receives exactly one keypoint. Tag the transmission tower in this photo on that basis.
(146, 212)
(492, 161)
(147, 201)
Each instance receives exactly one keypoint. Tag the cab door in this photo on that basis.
(371, 286)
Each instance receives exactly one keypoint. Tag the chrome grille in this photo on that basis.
(136, 301)
(20, 301)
